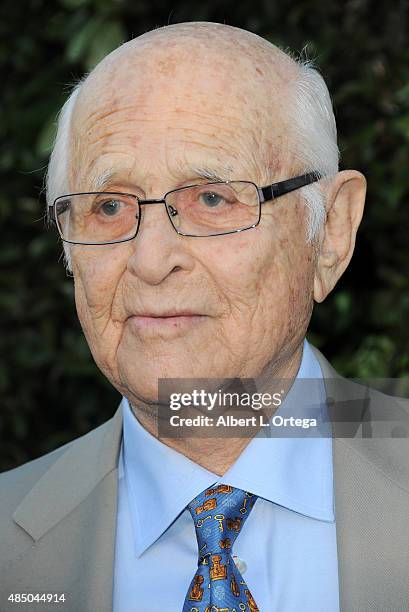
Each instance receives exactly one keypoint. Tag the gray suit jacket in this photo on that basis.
(58, 517)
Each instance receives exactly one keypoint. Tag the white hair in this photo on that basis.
(314, 140)
(313, 137)
(57, 180)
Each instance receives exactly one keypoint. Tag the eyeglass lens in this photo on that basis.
(199, 210)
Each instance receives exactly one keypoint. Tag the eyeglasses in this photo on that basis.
(209, 209)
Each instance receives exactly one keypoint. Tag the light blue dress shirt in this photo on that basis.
(288, 544)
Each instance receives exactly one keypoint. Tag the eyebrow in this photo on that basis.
(100, 182)
(220, 175)
(110, 175)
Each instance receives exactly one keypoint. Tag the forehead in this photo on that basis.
(182, 108)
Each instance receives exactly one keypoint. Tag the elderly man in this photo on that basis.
(195, 184)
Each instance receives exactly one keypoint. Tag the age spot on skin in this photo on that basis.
(167, 67)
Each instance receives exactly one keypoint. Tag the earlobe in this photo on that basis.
(344, 205)
(324, 275)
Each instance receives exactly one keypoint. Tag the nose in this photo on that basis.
(158, 250)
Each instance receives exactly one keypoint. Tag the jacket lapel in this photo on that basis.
(65, 514)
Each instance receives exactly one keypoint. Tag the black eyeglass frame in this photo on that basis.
(265, 194)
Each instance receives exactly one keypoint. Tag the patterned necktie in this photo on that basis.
(218, 586)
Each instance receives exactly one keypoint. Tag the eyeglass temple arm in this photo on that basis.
(278, 189)
(51, 213)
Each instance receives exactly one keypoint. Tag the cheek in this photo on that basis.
(234, 266)
(96, 275)
(291, 288)
(264, 279)
(244, 265)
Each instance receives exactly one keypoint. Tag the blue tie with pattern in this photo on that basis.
(219, 515)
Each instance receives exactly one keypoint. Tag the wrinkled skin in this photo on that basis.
(154, 111)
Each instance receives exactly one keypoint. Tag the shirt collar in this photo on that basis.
(160, 481)
(293, 472)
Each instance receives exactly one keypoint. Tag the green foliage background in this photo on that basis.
(50, 389)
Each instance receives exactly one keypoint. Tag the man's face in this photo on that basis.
(157, 121)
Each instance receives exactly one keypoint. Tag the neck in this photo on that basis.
(217, 454)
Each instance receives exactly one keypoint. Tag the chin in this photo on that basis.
(145, 394)
(143, 381)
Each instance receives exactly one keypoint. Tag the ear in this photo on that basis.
(344, 207)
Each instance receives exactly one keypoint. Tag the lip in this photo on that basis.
(166, 314)
(169, 321)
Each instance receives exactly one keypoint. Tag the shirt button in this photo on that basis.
(240, 564)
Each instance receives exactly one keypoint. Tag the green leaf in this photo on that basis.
(402, 125)
(46, 137)
(108, 36)
(79, 45)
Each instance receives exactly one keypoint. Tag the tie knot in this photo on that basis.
(219, 514)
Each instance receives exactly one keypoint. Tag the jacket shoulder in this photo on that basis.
(17, 482)
(376, 424)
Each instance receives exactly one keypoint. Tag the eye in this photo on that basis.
(62, 206)
(110, 207)
(211, 198)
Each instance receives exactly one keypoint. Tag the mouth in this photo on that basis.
(171, 320)
(165, 314)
